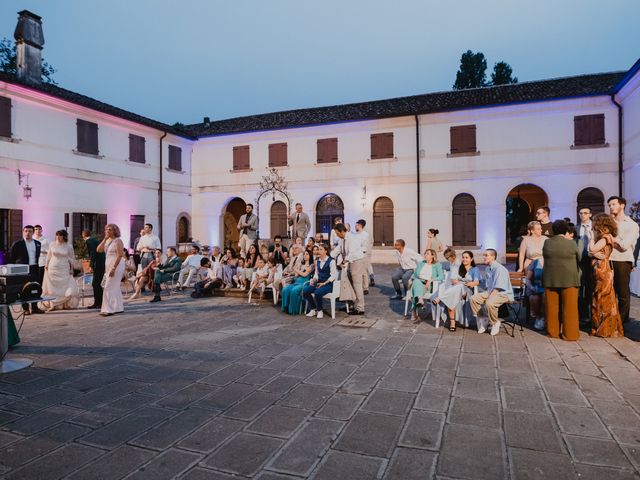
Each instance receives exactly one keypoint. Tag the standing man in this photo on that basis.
(499, 291)
(542, 215)
(27, 252)
(147, 244)
(248, 228)
(44, 249)
(300, 223)
(584, 235)
(353, 252)
(622, 254)
(367, 243)
(136, 254)
(96, 262)
(408, 260)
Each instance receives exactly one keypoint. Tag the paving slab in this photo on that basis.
(534, 465)
(345, 465)
(370, 434)
(481, 458)
(244, 454)
(411, 464)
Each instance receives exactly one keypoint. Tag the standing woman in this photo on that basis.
(531, 246)
(114, 269)
(58, 274)
(433, 242)
(605, 316)
(427, 271)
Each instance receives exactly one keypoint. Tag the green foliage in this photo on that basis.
(8, 61)
(472, 72)
(502, 74)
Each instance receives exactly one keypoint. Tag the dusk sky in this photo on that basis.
(182, 60)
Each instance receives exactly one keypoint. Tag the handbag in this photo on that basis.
(103, 283)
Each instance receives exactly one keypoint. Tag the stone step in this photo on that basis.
(238, 293)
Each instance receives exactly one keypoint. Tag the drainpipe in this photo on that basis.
(620, 166)
(160, 212)
(418, 178)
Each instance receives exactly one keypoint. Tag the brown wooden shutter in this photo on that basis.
(76, 227)
(588, 130)
(327, 150)
(597, 129)
(175, 158)
(136, 149)
(580, 128)
(456, 139)
(463, 139)
(387, 145)
(15, 226)
(87, 137)
(321, 150)
(376, 144)
(5, 117)
(241, 157)
(381, 145)
(278, 155)
(470, 138)
(332, 146)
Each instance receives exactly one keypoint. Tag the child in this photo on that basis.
(239, 278)
(260, 276)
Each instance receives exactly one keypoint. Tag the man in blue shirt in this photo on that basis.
(499, 291)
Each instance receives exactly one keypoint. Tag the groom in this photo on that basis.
(27, 252)
(96, 260)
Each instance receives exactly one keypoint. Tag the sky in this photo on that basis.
(179, 61)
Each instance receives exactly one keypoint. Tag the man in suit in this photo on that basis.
(165, 272)
(300, 223)
(248, 228)
(96, 262)
(27, 252)
(584, 233)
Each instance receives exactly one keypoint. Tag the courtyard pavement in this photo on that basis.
(220, 389)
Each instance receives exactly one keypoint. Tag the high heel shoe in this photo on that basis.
(452, 325)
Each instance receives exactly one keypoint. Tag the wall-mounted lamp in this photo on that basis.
(363, 197)
(26, 189)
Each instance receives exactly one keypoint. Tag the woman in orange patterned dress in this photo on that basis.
(605, 317)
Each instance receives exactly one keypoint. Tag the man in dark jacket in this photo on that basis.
(166, 271)
(27, 252)
(96, 261)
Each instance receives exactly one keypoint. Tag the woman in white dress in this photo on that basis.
(462, 279)
(114, 270)
(58, 274)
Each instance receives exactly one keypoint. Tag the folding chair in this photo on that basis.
(84, 282)
(514, 308)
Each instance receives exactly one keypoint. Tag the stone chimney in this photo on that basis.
(29, 43)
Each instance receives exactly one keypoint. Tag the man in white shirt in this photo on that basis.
(147, 244)
(367, 242)
(189, 267)
(44, 249)
(354, 255)
(408, 259)
(622, 254)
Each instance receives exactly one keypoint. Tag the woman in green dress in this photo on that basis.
(292, 293)
(427, 271)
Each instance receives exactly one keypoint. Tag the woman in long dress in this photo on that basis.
(605, 317)
(114, 269)
(58, 275)
(292, 293)
(459, 288)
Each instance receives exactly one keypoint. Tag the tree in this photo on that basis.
(502, 74)
(472, 72)
(9, 62)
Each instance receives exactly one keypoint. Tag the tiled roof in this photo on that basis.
(557, 88)
(94, 104)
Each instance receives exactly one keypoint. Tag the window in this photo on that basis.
(463, 139)
(175, 158)
(278, 155)
(94, 222)
(381, 145)
(241, 157)
(588, 130)
(279, 219)
(136, 149)
(383, 222)
(5, 117)
(87, 137)
(10, 231)
(136, 223)
(329, 207)
(464, 220)
(328, 150)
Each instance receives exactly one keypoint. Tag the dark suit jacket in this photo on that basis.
(561, 257)
(96, 259)
(19, 253)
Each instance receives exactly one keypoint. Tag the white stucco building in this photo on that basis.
(455, 161)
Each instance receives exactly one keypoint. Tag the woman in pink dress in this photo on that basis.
(114, 269)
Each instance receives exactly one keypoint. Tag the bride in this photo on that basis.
(58, 275)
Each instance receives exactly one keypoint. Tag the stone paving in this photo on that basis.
(219, 389)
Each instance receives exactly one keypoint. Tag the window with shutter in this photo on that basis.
(278, 155)
(136, 148)
(87, 137)
(175, 158)
(463, 139)
(381, 145)
(241, 157)
(588, 130)
(327, 150)
(5, 117)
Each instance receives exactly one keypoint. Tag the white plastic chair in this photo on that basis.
(333, 296)
(275, 291)
(435, 287)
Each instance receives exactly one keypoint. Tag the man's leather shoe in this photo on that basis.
(155, 299)
(366, 292)
(94, 307)
(372, 283)
(356, 312)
